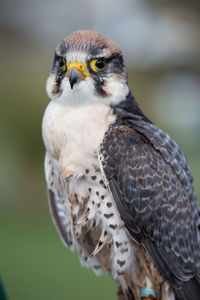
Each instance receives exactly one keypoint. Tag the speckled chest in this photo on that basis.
(94, 213)
(88, 194)
(72, 136)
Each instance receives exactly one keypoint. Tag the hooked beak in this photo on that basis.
(76, 71)
(74, 76)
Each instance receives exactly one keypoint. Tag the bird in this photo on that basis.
(120, 190)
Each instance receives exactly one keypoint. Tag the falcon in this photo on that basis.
(120, 189)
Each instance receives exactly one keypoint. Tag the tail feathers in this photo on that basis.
(190, 290)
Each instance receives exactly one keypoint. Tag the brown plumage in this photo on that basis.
(120, 189)
(86, 40)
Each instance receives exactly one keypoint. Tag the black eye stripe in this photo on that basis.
(61, 61)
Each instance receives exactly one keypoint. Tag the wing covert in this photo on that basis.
(158, 207)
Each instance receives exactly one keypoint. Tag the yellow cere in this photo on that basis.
(79, 66)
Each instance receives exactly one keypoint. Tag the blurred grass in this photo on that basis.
(35, 264)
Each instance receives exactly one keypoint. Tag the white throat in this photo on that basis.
(84, 91)
(72, 134)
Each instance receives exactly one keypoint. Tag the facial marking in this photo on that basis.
(98, 65)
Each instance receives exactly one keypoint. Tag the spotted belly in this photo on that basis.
(96, 222)
(87, 211)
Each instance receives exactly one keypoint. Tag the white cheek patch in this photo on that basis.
(117, 89)
(84, 92)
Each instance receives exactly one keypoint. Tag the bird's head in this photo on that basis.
(88, 67)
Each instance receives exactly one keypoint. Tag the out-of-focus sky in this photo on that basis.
(160, 41)
(147, 31)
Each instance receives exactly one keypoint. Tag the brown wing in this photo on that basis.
(155, 199)
(57, 203)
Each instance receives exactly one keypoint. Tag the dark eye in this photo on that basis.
(62, 63)
(100, 63)
(97, 64)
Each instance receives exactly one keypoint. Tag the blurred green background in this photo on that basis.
(161, 44)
